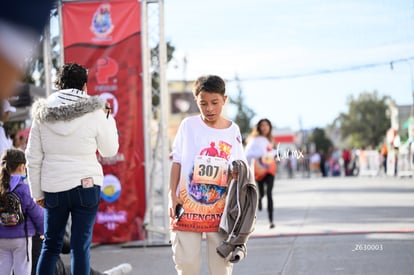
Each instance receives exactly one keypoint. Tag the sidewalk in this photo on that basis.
(323, 226)
(340, 205)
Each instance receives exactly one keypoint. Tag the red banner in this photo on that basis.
(105, 37)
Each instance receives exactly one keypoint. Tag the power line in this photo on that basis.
(326, 71)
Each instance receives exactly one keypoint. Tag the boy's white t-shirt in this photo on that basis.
(205, 155)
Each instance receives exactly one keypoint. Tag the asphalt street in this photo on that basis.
(356, 225)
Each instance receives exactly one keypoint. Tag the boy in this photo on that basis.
(203, 149)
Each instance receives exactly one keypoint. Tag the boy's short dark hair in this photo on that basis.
(209, 84)
(72, 76)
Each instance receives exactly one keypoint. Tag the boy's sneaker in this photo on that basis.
(121, 269)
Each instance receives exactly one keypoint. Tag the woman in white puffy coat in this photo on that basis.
(64, 174)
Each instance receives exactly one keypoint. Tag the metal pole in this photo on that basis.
(164, 114)
(156, 140)
(412, 88)
(46, 59)
(412, 84)
(62, 50)
(146, 108)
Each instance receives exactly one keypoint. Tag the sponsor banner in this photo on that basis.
(99, 23)
(105, 37)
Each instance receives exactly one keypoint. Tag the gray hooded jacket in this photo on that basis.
(239, 214)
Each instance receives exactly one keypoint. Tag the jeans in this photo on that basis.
(82, 204)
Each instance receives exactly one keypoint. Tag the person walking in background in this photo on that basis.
(64, 174)
(19, 142)
(258, 144)
(384, 154)
(315, 160)
(16, 240)
(346, 156)
(5, 141)
(322, 163)
(334, 162)
(202, 151)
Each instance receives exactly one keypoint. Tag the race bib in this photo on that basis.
(210, 170)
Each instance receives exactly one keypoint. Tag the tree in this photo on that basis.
(366, 122)
(244, 114)
(321, 141)
(155, 78)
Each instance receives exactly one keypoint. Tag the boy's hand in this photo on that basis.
(173, 201)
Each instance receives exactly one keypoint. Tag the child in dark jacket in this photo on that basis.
(16, 241)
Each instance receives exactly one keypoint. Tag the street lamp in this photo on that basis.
(412, 85)
(412, 81)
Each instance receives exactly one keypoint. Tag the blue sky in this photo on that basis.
(274, 38)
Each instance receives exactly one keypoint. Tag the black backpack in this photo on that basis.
(11, 213)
